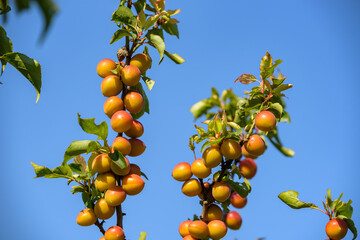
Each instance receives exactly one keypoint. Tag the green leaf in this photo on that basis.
(5, 45)
(77, 189)
(140, 5)
(236, 170)
(285, 117)
(290, 199)
(141, 18)
(171, 28)
(282, 88)
(119, 34)
(76, 168)
(174, 57)
(89, 126)
(124, 15)
(200, 108)
(80, 160)
(275, 140)
(49, 9)
(80, 147)
(156, 40)
(345, 210)
(146, 105)
(4, 7)
(149, 82)
(328, 198)
(211, 142)
(201, 131)
(144, 175)
(277, 109)
(151, 21)
(118, 159)
(242, 189)
(351, 226)
(225, 205)
(62, 171)
(142, 236)
(28, 67)
(246, 78)
(173, 12)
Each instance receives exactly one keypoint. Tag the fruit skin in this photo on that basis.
(231, 149)
(133, 184)
(115, 196)
(237, 201)
(136, 130)
(199, 229)
(122, 145)
(101, 163)
(105, 181)
(142, 61)
(212, 157)
(213, 212)
(233, 220)
(184, 228)
(103, 210)
(130, 75)
(199, 169)
(133, 102)
(191, 187)
(206, 186)
(114, 233)
(221, 191)
(135, 169)
(265, 121)
(246, 153)
(336, 229)
(112, 105)
(182, 172)
(189, 237)
(105, 66)
(248, 168)
(102, 238)
(86, 217)
(118, 171)
(121, 121)
(111, 86)
(217, 229)
(137, 147)
(255, 145)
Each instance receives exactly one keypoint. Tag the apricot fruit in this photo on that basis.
(118, 171)
(246, 154)
(142, 61)
(189, 237)
(213, 212)
(121, 121)
(133, 102)
(103, 210)
(114, 196)
(104, 181)
(130, 75)
(137, 147)
(336, 229)
(136, 130)
(105, 66)
(101, 163)
(217, 229)
(221, 191)
(199, 169)
(265, 121)
(199, 229)
(255, 145)
(184, 228)
(114, 233)
(191, 187)
(233, 220)
(111, 86)
(182, 172)
(248, 168)
(122, 145)
(231, 149)
(133, 184)
(102, 238)
(112, 105)
(86, 217)
(212, 157)
(135, 169)
(237, 201)
(206, 186)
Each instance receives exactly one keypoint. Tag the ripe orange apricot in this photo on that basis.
(133, 184)
(265, 121)
(101, 163)
(136, 130)
(112, 105)
(221, 191)
(130, 75)
(135, 169)
(111, 86)
(115, 196)
(199, 169)
(237, 201)
(118, 171)
(336, 229)
(191, 187)
(103, 210)
(137, 147)
(212, 157)
(233, 220)
(86, 217)
(122, 145)
(213, 212)
(184, 228)
(199, 229)
(217, 229)
(104, 181)
(121, 121)
(255, 145)
(246, 153)
(248, 168)
(231, 149)
(114, 233)
(133, 102)
(105, 66)
(182, 172)
(189, 237)
(142, 61)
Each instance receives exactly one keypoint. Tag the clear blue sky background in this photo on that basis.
(319, 43)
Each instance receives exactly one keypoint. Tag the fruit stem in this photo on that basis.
(321, 210)
(100, 226)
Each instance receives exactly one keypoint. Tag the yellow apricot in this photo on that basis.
(191, 187)
(105, 181)
(199, 169)
(212, 157)
(103, 210)
(231, 149)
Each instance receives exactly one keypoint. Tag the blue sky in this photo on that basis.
(319, 44)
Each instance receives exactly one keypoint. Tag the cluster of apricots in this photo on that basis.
(214, 221)
(119, 110)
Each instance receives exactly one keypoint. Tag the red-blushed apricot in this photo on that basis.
(255, 145)
(237, 201)
(136, 130)
(103, 210)
(133, 184)
(189, 237)
(112, 105)
(182, 172)
(122, 145)
(212, 157)
(133, 102)
(217, 229)
(198, 229)
(247, 168)
(184, 228)
(231, 149)
(221, 191)
(137, 147)
(118, 171)
(265, 121)
(104, 181)
(130, 75)
(115, 196)
(114, 233)
(121, 121)
(246, 154)
(142, 61)
(213, 212)
(336, 229)
(101, 163)
(135, 169)
(206, 186)
(105, 66)
(111, 86)
(233, 220)
(191, 187)
(86, 217)
(199, 169)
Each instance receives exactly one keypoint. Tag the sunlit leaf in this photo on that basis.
(246, 78)
(290, 198)
(89, 126)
